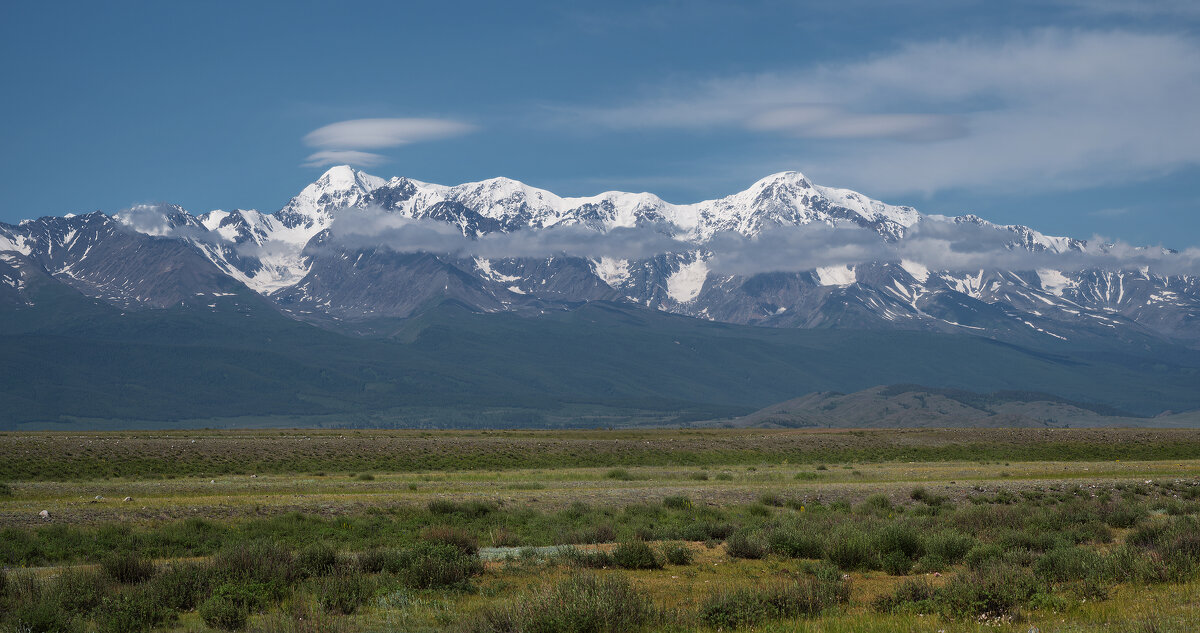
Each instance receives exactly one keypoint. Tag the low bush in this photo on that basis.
(771, 499)
(1069, 563)
(587, 559)
(468, 509)
(433, 565)
(344, 592)
(180, 586)
(619, 474)
(40, 616)
(850, 549)
(317, 559)
(746, 544)
(131, 612)
(748, 606)
(706, 531)
(950, 545)
(699, 476)
(995, 590)
(222, 613)
(900, 538)
(580, 604)
(794, 542)
(677, 554)
(896, 563)
(256, 562)
(876, 504)
(914, 594)
(127, 568)
(635, 555)
(75, 591)
(452, 536)
(678, 502)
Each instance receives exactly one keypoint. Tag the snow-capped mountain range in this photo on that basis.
(296, 257)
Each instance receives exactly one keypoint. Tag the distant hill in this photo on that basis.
(916, 406)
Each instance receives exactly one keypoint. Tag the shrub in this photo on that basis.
(130, 612)
(678, 502)
(635, 555)
(896, 563)
(982, 555)
(366, 477)
(746, 544)
(375, 560)
(471, 510)
(1125, 515)
(431, 565)
(580, 604)
(924, 496)
(40, 616)
(588, 559)
(950, 545)
(180, 586)
(619, 474)
(930, 563)
(899, 538)
(222, 613)
(876, 504)
(795, 543)
(255, 562)
(678, 554)
(995, 590)
(749, 606)
(806, 476)
(707, 530)
(771, 499)
(127, 568)
(5, 490)
(850, 549)
(1069, 563)
(915, 594)
(454, 537)
(318, 559)
(699, 476)
(724, 476)
(75, 591)
(344, 593)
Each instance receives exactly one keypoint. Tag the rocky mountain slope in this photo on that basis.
(351, 248)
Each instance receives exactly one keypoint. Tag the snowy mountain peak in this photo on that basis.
(345, 178)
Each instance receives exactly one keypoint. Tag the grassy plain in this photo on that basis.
(1058, 530)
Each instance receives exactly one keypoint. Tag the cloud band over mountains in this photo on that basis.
(936, 243)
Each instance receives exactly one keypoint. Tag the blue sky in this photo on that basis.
(1075, 117)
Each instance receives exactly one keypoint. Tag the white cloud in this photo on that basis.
(362, 134)
(343, 157)
(1051, 109)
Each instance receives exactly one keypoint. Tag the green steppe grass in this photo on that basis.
(725, 542)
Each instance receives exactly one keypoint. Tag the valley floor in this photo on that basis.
(601, 531)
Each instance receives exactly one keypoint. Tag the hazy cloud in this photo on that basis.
(371, 228)
(1050, 109)
(937, 243)
(381, 133)
(344, 157)
(343, 142)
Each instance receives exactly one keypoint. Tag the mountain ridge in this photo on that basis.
(299, 259)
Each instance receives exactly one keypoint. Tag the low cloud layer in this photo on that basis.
(936, 243)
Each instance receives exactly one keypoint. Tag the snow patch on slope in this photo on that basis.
(614, 272)
(836, 275)
(686, 283)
